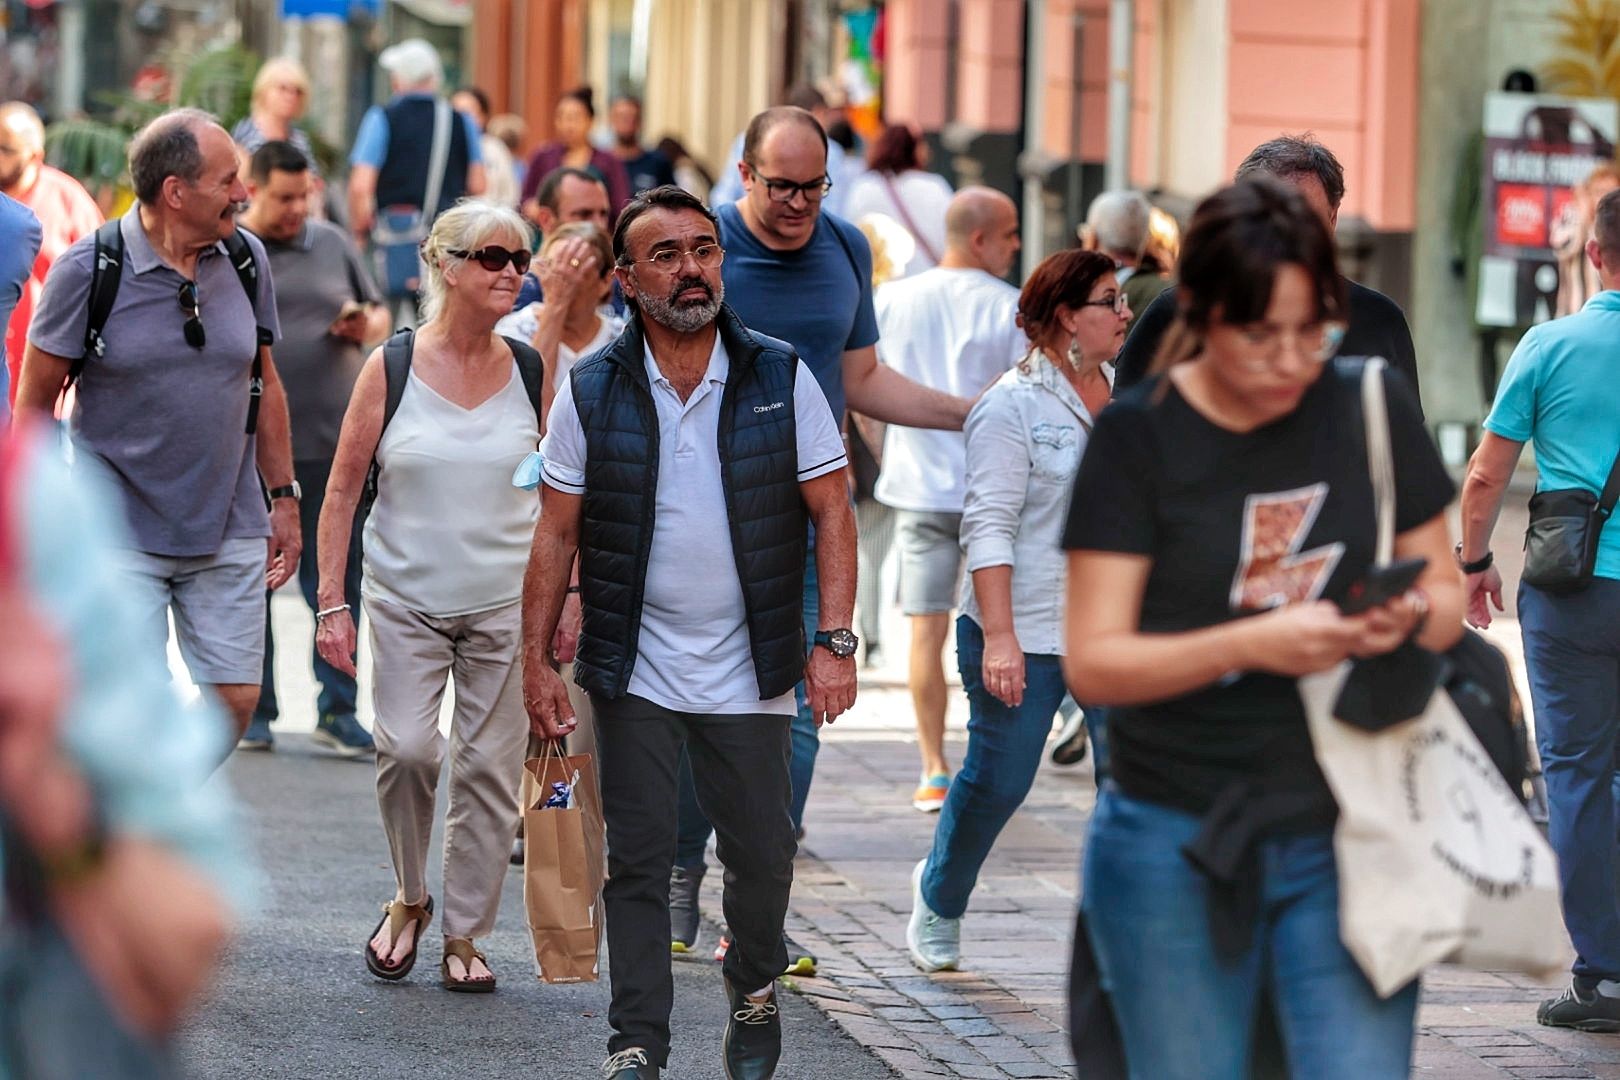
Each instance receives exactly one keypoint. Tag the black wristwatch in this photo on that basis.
(287, 491)
(1478, 566)
(841, 642)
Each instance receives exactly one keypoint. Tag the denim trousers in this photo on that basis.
(694, 830)
(1004, 751)
(1188, 1013)
(1572, 654)
(338, 692)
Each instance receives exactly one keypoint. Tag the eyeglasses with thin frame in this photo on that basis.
(193, 328)
(1117, 301)
(1316, 341)
(782, 191)
(669, 260)
(494, 259)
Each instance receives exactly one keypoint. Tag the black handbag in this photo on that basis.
(1560, 546)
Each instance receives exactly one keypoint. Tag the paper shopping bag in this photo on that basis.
(1437, 858)
(564, 864)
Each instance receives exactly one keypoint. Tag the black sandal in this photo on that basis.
(397, 914)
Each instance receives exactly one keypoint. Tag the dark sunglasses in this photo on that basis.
(194, 327)
(494, 259)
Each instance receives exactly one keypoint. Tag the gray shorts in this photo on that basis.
(218, 602)
(930, 560)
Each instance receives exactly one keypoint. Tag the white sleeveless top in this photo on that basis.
(449, 534)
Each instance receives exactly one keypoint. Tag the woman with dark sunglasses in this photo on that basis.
(1220, 510)
(445, 547)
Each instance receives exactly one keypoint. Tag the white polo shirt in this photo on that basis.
(693, 654)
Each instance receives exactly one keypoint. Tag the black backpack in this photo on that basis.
(397, 351)
(106, 275)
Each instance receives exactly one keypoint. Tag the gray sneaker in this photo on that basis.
(685, 920)
(344, 736)
(935, 942)
(257, 736)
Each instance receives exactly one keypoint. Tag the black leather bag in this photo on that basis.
(1560, 545)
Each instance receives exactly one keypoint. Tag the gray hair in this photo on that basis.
(167, 147)
(466, 226)
(1120, 220)
(1288, 157)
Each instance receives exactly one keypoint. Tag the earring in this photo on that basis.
(1074, 353)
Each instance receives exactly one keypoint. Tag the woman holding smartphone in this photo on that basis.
(1221, 509)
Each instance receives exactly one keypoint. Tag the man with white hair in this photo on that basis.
(65, 211)
(180, 401)
(390, 168)
(1118, 222)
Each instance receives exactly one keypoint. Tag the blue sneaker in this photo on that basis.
(257, 736)
(344, 736)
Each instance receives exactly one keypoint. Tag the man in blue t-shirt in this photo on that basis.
(796, 273)
(19, 242)
(1560, 392)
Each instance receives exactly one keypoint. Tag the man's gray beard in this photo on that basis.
(682, 318)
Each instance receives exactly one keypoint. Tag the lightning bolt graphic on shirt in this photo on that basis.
(1272, 571)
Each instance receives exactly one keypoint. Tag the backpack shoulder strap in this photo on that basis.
(396, 372)
(246, 266)
(532, 369)
(105, 274)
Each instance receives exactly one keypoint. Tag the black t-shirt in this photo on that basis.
(1377, 327)
(1236, 524)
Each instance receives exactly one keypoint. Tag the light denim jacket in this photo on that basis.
(1024, 440)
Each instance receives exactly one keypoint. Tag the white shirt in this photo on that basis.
(926, 197)
(449, 534)
(951, 330)
(693, 654)
(1025, 436)
(524, 323)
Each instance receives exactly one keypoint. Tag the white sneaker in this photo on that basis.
(935, 942)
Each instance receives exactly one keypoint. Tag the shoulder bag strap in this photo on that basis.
(905, 219)
(1380, 458)
(396, 372)
(1611, 490)
(438, 159)
(246, 266)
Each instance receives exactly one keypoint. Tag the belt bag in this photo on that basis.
(1560, 546)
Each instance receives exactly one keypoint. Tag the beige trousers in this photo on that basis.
(412, 657)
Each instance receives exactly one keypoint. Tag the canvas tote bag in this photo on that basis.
(1438, 860)
(564, 864)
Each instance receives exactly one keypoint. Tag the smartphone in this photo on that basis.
(1381, 585)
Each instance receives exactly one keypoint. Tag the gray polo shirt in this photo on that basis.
(168, 421)
(315, 274)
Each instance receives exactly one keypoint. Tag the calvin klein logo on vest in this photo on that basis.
(768, 408)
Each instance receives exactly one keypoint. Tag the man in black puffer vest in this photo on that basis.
(682, 464)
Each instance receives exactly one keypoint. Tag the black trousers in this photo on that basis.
(740, 764)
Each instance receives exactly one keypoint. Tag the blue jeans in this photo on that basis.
(1004, 751)
(1186, 1013)
(693, 828)
(338, 692)
(1572, 653)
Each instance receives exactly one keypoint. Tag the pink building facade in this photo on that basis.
(1021, 89)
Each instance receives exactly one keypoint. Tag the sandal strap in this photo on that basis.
(400, 913)
(463, 950)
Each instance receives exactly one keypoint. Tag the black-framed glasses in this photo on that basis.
(1117, 301)
(669, 260)
(782, 191)
(195, 337)
(494, 259)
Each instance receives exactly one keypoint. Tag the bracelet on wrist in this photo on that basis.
(322, 615)
(1478, 566)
